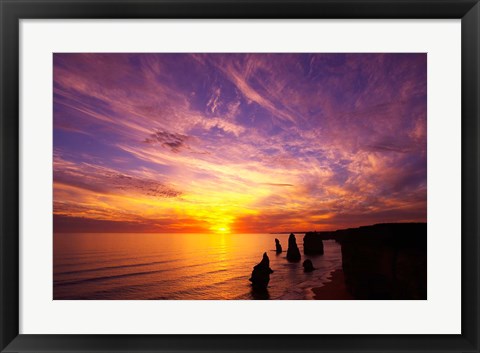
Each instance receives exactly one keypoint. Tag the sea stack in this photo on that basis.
(278, 246)
(312, 244)
(293, 254)
(308, 266)
(261, 274)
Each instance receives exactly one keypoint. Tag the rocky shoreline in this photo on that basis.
(384, 261)
(380, 262)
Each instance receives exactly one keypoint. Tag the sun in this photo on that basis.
(222, 230)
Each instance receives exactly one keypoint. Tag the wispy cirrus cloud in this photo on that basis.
(257, 142)
(104, 180)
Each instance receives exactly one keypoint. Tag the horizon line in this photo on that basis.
(270, 233)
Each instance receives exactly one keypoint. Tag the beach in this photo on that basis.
(335, 289)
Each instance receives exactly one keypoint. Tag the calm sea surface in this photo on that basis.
(180, 266)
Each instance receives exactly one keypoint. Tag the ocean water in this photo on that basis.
(180, 266)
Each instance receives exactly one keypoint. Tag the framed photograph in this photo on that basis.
(239, 176)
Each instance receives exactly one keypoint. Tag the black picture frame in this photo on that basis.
(14, 10)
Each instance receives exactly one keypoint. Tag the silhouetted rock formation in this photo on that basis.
(293, 254)
(308, 266)
(260, 294)
(278, 247)
(261, 274)
(312, 244)
(385, 261)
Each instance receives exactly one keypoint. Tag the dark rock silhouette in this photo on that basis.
(261, 274)
(278, 246)
(312, 244)
(308, 266)
(260, 294)
(293, 254)
(385, 261)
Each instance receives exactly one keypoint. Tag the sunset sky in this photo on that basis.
(240, 143)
